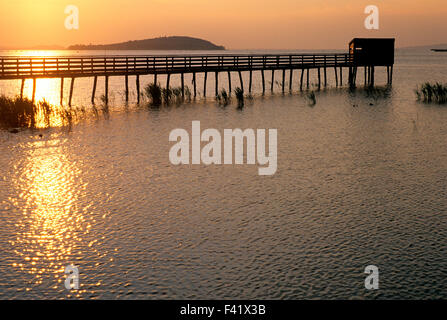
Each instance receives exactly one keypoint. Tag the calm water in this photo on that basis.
(357, 184)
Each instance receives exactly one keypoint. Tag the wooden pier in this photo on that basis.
(12, 67)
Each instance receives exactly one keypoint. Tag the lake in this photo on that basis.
(361, 180)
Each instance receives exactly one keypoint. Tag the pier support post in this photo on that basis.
(336, 77)
(273, 79)
(372, 76)
(71, 91)
(138, 88)
(168, 80)
(21, 89)
(62, 91)
(155, 78)
(204, 84)
(307, 80)
(290, 80)
(182, 79)
(229, 82)
(194, 84)
(242, 82)
(391, 75)
(365, 74)
(34, 89)
(250, 81)
(263, 81)
(107, 90)
(325, 77)
(302, 78)
(217, 83)
(341, 76)
(127, 87)
(95, 80)
(319, 79)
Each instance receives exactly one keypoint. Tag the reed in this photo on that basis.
(153, 92)
(239, 93)
(223, 98)
(17, 112)
(312, 98)
(432, 93)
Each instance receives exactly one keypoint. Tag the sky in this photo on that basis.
(235, 24)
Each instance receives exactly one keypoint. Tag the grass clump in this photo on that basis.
(154, 93)
(17, 112)
(432, 93)
(223, 98)
(239, 93)
(312, 98)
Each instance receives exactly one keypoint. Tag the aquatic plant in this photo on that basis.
(17, 112)
(432, 93)
(239, 93)
(153, 92)
(223, 98)
(167, 95)
(312, 99)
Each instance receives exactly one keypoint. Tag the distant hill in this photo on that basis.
(163, 43)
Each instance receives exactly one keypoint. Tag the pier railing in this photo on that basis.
(52, 67)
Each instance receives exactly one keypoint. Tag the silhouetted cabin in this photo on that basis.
(372, 51)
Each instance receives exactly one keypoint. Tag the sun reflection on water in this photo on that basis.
(52, 226)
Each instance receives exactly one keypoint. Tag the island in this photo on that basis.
(162, 43)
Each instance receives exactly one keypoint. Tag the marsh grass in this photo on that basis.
(23, 113)
(17, 112)
(239, 93)
(223, 98)
(432, 93)
(312, 98)
(153, 92)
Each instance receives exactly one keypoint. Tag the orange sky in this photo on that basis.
(236, 24)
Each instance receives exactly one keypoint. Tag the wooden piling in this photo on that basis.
(391, 75)
(325, 75)
(273, 79)
(250, 81)
(263, 81)
(62, 91)
(308, 80)
(182, 80)
(106, 90)
(71, 91)
(194, 84)
(229, 82)
(138, 88)
(290, 80)
(155, 78)
(127, 87)
(204, 84)
(95, 80)
(34, 89)
(365, 74)
(341, 76)
(302, 78)
(217, 84)
(336, 76)
(319, 79)
(21, 89)
(241, 81)
(168, 79)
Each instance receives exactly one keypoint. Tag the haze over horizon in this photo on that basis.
(284, 24)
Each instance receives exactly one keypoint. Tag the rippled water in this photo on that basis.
(361, 180)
